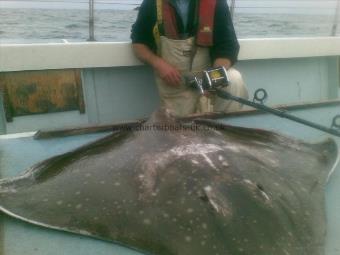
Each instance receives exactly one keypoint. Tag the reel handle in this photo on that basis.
(336, 122)
(260, 96)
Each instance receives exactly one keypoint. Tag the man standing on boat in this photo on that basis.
(176, 37)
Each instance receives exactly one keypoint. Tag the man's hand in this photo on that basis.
(222, 62)
(168, 73)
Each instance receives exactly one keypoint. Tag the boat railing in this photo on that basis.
(238, 6)
(330, 9)
(248, 5)
(336, 19)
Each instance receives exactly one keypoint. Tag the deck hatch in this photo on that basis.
(37, 92)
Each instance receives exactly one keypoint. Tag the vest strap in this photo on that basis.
(159, 6)
(206, 23)
(158, 25)
(169, 21)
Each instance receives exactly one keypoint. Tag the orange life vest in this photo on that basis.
(166, 17)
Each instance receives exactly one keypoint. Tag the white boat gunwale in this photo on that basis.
(44, 56)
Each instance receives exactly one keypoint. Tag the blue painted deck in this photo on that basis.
(18, 238)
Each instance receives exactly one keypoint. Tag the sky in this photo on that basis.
(242, 6)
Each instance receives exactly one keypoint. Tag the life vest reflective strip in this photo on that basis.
(166, 21)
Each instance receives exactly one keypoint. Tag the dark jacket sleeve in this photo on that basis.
(225, 41)
(142, 29)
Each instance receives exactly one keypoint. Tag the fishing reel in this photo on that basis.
(208, 80)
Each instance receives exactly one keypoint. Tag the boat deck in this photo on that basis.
(18, 153)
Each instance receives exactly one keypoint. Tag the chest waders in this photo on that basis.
(187, 57)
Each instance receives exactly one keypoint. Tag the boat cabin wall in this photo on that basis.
(117, 87)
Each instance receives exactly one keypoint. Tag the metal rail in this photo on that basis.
(2, 116)
(242, 6)
(336, 18)
(91, 21)
(232, 8)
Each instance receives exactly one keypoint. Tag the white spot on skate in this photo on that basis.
(188, 238)
(209, 161)
(225, 163)
(84, 232)
(265, 195)
(232, 148)
(195, 162)
(147, 221)
(197, 149)
(248, 182)
(190, 210)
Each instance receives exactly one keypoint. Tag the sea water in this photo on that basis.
(19, 25)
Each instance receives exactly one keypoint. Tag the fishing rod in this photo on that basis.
(216, 79)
